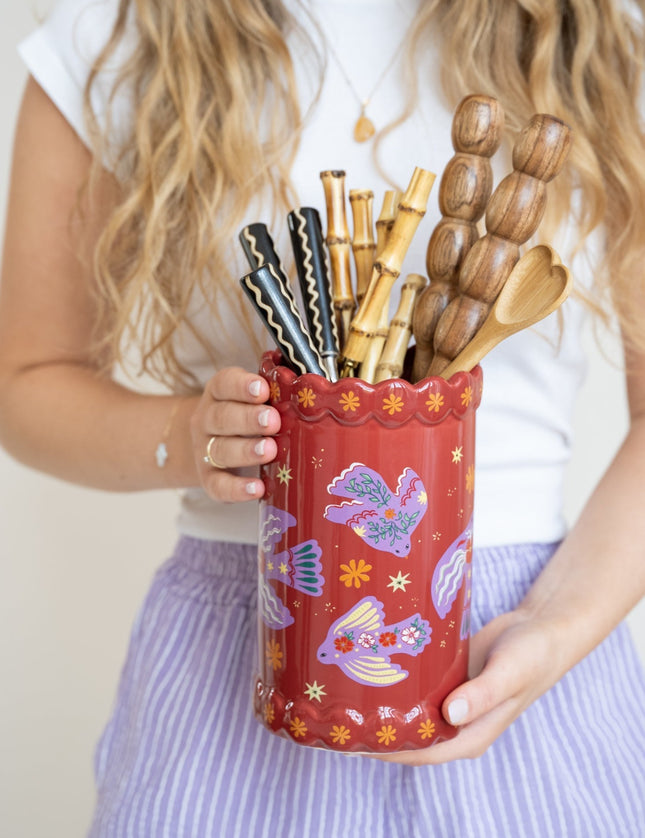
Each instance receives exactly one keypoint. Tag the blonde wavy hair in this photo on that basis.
(205, 74)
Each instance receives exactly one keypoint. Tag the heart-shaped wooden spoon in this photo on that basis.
(537, 285)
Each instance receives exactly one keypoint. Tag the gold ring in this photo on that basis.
(208, 459)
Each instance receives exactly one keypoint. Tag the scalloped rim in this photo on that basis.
(363, 736)
(353, 401)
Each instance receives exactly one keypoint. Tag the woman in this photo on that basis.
(199, 117)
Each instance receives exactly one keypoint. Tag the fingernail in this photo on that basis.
(263, 418)
(254, 387)
(457, 711)
(259, 447)
(251, 489)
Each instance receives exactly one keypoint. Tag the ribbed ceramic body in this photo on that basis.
(365, 559)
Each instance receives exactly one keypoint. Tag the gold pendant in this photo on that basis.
(364, 128)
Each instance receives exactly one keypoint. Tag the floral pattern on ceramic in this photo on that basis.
(383, 518)
(362, 645)
(358, 658)
(297, 567)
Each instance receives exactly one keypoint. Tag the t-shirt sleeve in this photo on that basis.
(61, 53)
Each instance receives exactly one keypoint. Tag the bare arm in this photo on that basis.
(57, 414)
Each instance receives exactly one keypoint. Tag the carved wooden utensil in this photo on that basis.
(512, 216)
(538, 284)
(464, 192)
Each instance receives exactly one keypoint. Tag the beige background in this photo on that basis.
(76, 564)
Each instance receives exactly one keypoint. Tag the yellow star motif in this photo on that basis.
(283, 569)
(457, 454)
(315, 690)
(284, 475)
(269, 565)
(399, 582)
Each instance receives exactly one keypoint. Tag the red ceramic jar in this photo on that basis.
(365, 559)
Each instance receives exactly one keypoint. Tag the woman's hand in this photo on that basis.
(232, 412)
(513, 660)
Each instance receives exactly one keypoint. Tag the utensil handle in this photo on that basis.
(387, 268)
(282, 319)
(305, 229)
(339, 246)
(260, 250)
(391, 362)
(473, 352)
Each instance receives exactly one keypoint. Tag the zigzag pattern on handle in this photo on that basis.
(313, 302)
(253, 245)
(257, 253)
(283, 342)
(334, 326)
(288, 295)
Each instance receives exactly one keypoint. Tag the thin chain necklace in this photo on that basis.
(364, 128)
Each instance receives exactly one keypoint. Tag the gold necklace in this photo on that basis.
(364, 128)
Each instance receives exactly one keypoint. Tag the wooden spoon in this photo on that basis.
(537, 285)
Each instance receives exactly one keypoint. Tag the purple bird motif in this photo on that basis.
(298, 567)
(384, 519)
(361, 644)
(449, 574)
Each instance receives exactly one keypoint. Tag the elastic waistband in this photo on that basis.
(232, 560)
(513, 563)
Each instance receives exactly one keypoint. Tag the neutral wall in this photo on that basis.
(75, 565)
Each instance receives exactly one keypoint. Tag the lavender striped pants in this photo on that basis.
(182, 756)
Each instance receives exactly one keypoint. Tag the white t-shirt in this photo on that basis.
(530, 380)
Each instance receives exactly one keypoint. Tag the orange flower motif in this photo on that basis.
(427, 729)
(339, 734)
(274, 655)
(298, 727)
(274, 391)
(349, 401)
(393, 404)
(355, 573)
(388, 638)
(467, 396)
(269, 713)
(389, 514)
(306, 397)
(470, 478)
(435, 401)
(386, 735)
(343, 644)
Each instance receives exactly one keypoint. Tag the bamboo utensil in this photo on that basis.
(311, 264)
(387, 268)
(464, 192)
(282, 319)
(512, 216)
(538, 284)
(398, 337)
(363, 244)
(385, 221)
(384, 225)
(339, 245)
